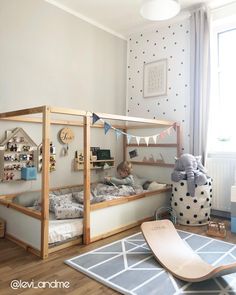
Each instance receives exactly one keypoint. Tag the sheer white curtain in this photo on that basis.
(200, 81)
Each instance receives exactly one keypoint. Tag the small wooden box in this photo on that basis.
(2, 228)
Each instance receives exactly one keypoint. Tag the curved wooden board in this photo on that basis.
(176, 256)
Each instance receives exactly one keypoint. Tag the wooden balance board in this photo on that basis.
(176, 256)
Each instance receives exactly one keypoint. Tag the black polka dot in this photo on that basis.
(199, 222)
(187, 222)
(202, 206)
(181, 214)
(210, 190)
(202, 193)
(210, 204)
(195, 215)
(176, 189)
(176, 204)
(188, 207)
(195, 185)
(210, 196)
(208, 199)
(208, 218)
(195, 201)
(181, 199)
(209, 183)
(206, 214)
(187, 194)
(182, 183)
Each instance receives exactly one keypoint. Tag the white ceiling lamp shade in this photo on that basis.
(159, 9)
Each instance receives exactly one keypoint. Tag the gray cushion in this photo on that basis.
(27, 199)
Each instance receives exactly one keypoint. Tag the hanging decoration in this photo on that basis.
(138, 139)
(107, 127)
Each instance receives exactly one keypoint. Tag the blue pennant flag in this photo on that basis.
(107, 127)
(118, 133)
(95, 118)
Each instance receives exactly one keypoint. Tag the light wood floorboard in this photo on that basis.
(16, 263)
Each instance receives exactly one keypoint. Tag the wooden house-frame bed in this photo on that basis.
(122, 213)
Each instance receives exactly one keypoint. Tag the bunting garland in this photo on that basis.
(138, 139)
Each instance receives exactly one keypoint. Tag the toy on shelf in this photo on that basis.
(216, 229)
(52, 161)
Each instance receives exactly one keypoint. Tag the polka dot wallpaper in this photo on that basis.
(171, 43)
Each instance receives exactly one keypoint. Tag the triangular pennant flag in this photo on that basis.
(137, 139)
(162, 135)
(168, 130)
(107, 127)
(147, 140)
(175, 126)
(118, 133)
(155, 138)
(95, 118)
(128, 138)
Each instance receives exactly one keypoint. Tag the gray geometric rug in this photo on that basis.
(128, 267)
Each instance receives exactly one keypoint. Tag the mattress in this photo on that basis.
(62, 230)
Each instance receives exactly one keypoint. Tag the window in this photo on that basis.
(222, 127)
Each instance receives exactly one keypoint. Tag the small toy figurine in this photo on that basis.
(216, 229)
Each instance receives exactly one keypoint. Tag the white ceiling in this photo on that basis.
(121, 17)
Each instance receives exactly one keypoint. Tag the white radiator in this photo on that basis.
(221, 169)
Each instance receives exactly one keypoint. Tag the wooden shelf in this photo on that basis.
(152, 164)
(78, 165)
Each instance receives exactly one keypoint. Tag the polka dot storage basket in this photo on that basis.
(192, 210)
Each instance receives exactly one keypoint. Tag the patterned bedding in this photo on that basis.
(70, 205)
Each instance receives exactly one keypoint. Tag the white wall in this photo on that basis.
(172, 43)
(49, 57)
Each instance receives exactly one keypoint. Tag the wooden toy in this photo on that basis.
(216, 229)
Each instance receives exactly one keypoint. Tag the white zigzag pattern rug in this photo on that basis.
(129, 267)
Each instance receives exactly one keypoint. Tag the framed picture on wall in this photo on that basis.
(155, 78)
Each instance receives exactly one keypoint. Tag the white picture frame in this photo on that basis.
(155, 78)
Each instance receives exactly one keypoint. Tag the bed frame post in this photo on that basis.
(45, 182)
(125, 145)
(87, 129)
(179, 139)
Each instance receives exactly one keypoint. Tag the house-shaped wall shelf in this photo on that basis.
(18, 150)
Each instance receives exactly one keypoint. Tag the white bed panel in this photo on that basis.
(111, 218)
(23, 227)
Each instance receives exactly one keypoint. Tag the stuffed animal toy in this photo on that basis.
(189, 167)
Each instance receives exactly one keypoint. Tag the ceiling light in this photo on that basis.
(159, 9)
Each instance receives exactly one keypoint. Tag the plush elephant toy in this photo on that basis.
(189, 167)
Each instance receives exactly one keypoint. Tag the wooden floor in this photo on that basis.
(16, 263)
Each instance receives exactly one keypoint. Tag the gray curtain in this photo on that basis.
(200, 81)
